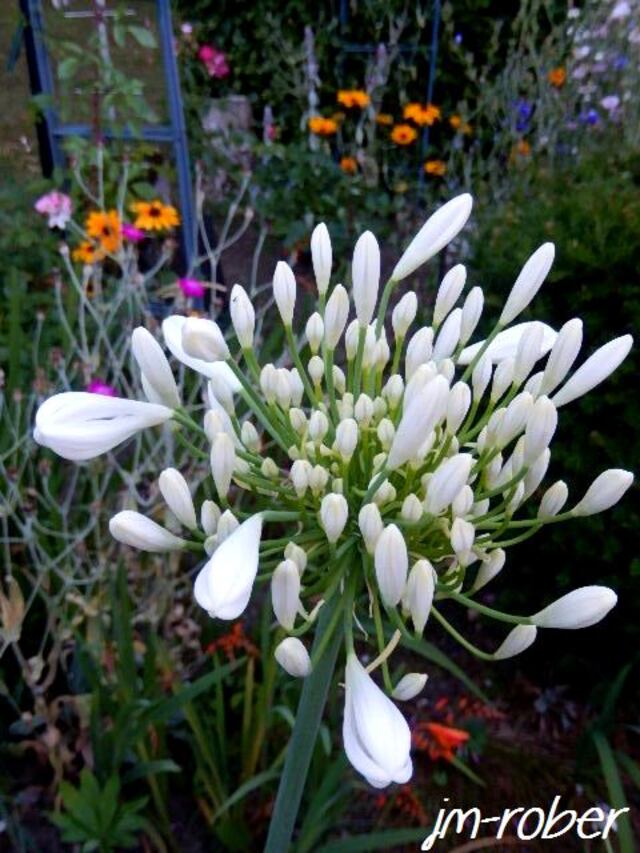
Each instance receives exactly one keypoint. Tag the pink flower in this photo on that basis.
(55, 205)
(206, 53)
(214, 60)
(132, 234)
(191, 287)
(186, 28)
(97, 386)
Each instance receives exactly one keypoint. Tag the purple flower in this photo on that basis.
(55, 205)
(620, 62)
(610, 103)
(97, 386)
(132, 234)
(590, 117)
(458, 38)
(524, 111)
(191, 287)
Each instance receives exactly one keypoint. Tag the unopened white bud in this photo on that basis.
(155, 368)
(321, 256)
(269, 469)
(363, 410)
(335, 316)
(268, 382)
(380, 407)
(284, 291)
(577, 609)
(463, 502)
(293, 657)
(209, 517)
(315, 332)
(424, 413)
(489, 568)
(448, 336)
(446, 482)
(419, 350)
(345, 406)
(409, 686)
(605, 491)
(553, 500)
(203, 339)
(535, 474)
(381, 352)
(221, 391)
(283, 387)
(299, 475)
(297, 554)
(365, 274)
(318, 426)
(135, 529)
(411, 508)
(471, 313)
(334, 512)
(368, 353)
(385, 494)
(298, 420)
(517, 641)
(351, 338)
(175, 491)
(528, 352)
(534, 384)
(223, 460)
(394, 389)
(318, 479)
(421, 377)
(285, 593)
(227, 524)
(562, 356)
(514, 419)
(540, 428)
(243, 316)
(463, 535)
(481, 377)
(594, 370)
(404, 314)
(297, 386)
(371, 526)
(385, 432)
(449, 292)
(458, 404)
(391, 561)
(346, 438)
(447, 368)
(249, 437)
(418, 596)
(502, 378)
(528, 283)
(316, 369)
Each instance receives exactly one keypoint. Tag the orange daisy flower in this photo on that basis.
(351, 98)
(105, 226)
(154, 215)
(435, 167)
(439, 741)
(421, 114)
(557, 77)
(384, 119)
(322, 126)
(349, 165)
(457, 123)
(87, 253)
(404, 134)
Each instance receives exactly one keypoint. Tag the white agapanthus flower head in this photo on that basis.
(398, 475)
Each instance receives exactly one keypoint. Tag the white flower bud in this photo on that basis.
(285, 593)
(298, 420)
(363, 410)
(268, 382)
(334, 512)
(249, 437)
(534, 383)
(269, 469)
(175, 491)
(516, 499)
(227, 525)
(318, 479)
(514, 419)
(423, 414)
(297, 386)
(209, 517)
(437, 231)
(315, 332)
(528, 283)
(605, 491)
(138, 531)
(517, 641)
(404, 314)
(381, 352)
(418, 596)
(562, 356)
(471, 313)
(318, 426)
(284, 291)
(553, 500)
(448, 336)
(293, 657)
(502, 378)
(505, 344)
(449, 292)
(385, 432)
(411, 508)
(393, 390)
(335, 316)
(458, 404)
(528, 352)
(385, 494)
(351, 338)
(371, 526)
(299, 475)
(421, 377)
(580, 608)
(297, 554)
(391, 561)
(463, 535)
(321, 256)
(481, 377)
(365, 274)
(540, 429)
(368, 353)
(223, 461)
(203, 339)
(489, 568)
(339, 379)
(380, 408)
(419, 350)
(283, 387)
(446, 482)
(222, 393)
(243, 316)
(480, 507)
(316, 369)
(155, 368)
(346, 438)
(409, 686)
(345, 406)
(463, 502)
(536, 473)
(594, 370)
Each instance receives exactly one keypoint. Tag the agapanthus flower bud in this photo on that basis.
(481, 377)
(380, 407)
(553, 500)
(283, 387)
(299, 475)
(363, 410)
(449, 292)
(203, 339)
(448, 336)
(371, 526)
(315, 332)
(462, 538)
(391, 561)
(404, 314)
(411, 509)
(534, 383)
(594, 370)
(209, 517)
(458, 404)
(393, 390)
(514, 419)
(351, 339)
(562, 356)
(316, 369)
(243, 316)
(419, 350)
(437, 231)
(471, 313)
(285, 593)
(528, 352)
(446, 482)
(489, 568)
(269, 468)
(540, 429)
(420, 378)
(385, 432)
(365, 274)
(579, 608)
(409, 686)
(376, 736)
(424, 412)
(297, 554)
(175, 491)
(172, 328)
(605, 491)
(298, 420)
(249, 437)
(293, 657)
(502, 378)
(346, 438)
(284, 291)
(227, 525)
(297, 386)
(463, 502)
(155, 367)
(318, 479)
(418, 597)
(381, 352)
(318, 425)
(517, 641)
(528, 283)
(505, 344)
(321, 256)
(223, 394)
(135, 529)
(536, 473)
(223, 460)
(335, 316)
(334, 512)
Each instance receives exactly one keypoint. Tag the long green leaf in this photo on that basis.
(375, 841)
(617, 797)
(252, 784)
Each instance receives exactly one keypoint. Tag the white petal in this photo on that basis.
(505, 344)
(172, 332)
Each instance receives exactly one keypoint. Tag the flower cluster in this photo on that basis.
(403, 464)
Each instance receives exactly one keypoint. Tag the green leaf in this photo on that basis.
(617, 797)
(150, 768)
(67, 68)
(252, 784)
(143, 36)
(375, 841)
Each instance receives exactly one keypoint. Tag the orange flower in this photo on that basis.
(233, 641)
(404, 134)
(422, 115)
(523, 148)
(154, 215)
(349, 165)
(557, 77)
(322, 126)
(351, 98)
(435, 167)
(87, 253)
(439, 741)
(384, 119)
(457, 124)
(105, 226)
